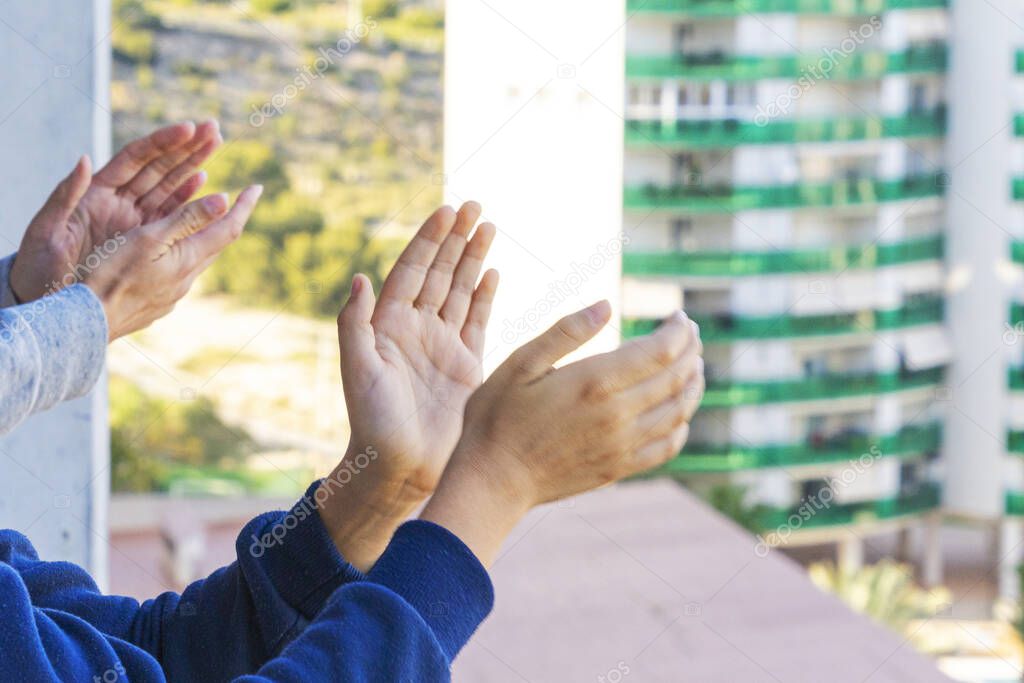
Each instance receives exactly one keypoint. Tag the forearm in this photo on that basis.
(362, 506)
(480, 508)
(51, 350)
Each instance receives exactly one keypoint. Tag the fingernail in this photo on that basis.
(257, 191)
(216, 203)
(357, 286)
(202, 177)
(598, 312)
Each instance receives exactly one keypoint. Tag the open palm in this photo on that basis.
(410, 360)
(146, 181)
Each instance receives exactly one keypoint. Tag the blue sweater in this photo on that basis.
(289, 609)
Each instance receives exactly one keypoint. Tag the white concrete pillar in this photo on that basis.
(982, 47)
(1010, 556)
(850, 554)
(931, 551)
(669, 100)
(54, 469)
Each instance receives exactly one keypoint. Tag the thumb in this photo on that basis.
(568, 334)
(66, 196)
(188, 220)
(355, 333)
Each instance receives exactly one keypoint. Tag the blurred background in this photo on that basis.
(829, 187)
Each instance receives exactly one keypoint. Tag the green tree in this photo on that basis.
(286, 214)
(381, 8)
(250, 270)
(148, 434)
(731, 501)
(885, 591)
(272, 6)
(243, 162)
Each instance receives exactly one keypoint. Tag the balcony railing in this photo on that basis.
(1016, 313)
(710, 133)
(727, 329)
(1015, 441)
(925, 498)
(738, 264)
(1015, 503)
(1017, 252)
(728, 394)
(720, 65)
(1016, 378)
(729, 198)
(709, 458)
(734, 8)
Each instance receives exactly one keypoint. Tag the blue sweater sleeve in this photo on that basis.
(51, 349)
(7, 297)
(289, 609)
(226, 625)
(417, 609)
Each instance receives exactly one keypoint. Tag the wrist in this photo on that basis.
(363, 505)
(480, 507)
(109, 296)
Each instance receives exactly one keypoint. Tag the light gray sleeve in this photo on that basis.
(51, 350)
(6, 293)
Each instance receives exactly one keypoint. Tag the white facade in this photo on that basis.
(799, 292)
(55, 80)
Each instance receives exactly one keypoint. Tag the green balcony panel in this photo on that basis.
(1016, 379)
(1018, 188)
(816, 515)
(735, 8)
(709, 458)
(1015, 503)
(1017, 252)
(1018, 125)
(703, 199)
(738, 263)
(711, 133)
(727, 394)
(838, 66)
(1019, 61)
(1015, 441)
(1016, 313)
(727, 329)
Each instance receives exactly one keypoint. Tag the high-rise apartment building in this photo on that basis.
(826, 187)
(784, 182)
